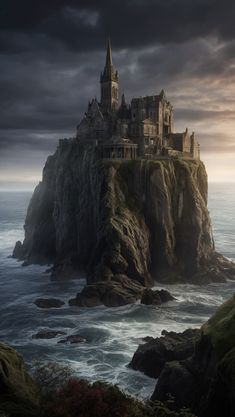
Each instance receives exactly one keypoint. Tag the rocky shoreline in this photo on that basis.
(195, 373)
(195, 368)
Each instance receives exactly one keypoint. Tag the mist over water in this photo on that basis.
(112, 333)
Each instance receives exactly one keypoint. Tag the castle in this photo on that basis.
(143, 128)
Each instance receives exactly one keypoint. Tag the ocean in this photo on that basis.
(112, 334)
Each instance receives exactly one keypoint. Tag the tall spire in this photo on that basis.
(109, 60)
(109, 83)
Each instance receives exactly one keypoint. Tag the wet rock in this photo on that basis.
(151, 357)
(157, 297)
(205, 381)
(116, 293)
(48, 303)
(48, 334)
(147, 338)
(18, 251)
(72, 339)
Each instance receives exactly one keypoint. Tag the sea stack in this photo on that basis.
(125, 201)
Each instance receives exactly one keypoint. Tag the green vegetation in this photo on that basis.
(221, 328)
(18, 390)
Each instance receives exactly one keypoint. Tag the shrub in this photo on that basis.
(50, 376)
(81, 399)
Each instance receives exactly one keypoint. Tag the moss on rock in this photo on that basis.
(220, 328)
(19, 395)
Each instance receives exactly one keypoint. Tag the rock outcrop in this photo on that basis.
(118, 292)
(48, 303)
(19, 395)
(142, 219)
(48, 334)
(152, 356)
(197, 371)
(155, 297)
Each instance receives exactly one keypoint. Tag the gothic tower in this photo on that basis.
(109, 84)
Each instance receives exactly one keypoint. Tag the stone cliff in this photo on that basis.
(140, 220)
(195, 368)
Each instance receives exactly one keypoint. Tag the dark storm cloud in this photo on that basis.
(133, 23)
(23, 138)
(52, 52)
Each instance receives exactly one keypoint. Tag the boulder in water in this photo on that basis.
(48, 334)
(113, 293)
(48, 303)
(157, 297)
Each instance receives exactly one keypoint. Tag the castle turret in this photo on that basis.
(109, 84)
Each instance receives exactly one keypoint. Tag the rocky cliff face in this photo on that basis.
(204, 380)
(140, 219)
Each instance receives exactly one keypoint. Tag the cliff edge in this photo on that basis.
(122, 220)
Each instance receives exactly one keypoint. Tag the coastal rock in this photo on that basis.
(48, 334)
(72, 339)
(205, 381)
(145, 219)
(48, 303)
(18, 391)
(157, 297)
(152, 356)
(18, 251)
(120, 291)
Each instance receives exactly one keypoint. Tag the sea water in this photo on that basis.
(112, 334)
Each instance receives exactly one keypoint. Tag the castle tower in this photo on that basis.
(109, 84)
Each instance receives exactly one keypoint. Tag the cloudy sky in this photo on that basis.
(52, 53)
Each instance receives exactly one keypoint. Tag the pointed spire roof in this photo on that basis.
(110, 72)
(109, 60)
